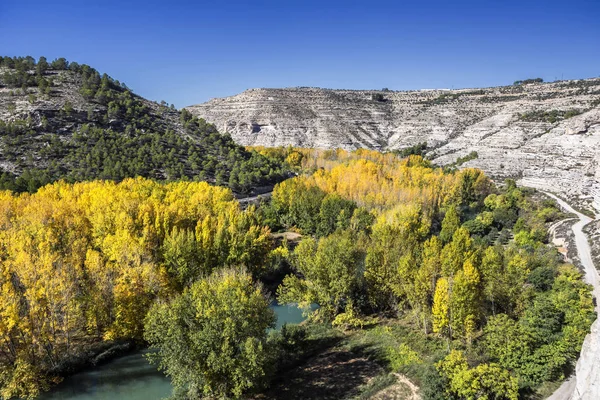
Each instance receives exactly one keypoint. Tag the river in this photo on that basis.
(131, 377)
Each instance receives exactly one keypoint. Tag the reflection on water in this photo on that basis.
(132, 378)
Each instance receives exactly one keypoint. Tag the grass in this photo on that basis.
(398, 346)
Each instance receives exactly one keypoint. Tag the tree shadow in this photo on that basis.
(333, 374)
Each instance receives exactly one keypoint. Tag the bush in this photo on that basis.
(402, 356)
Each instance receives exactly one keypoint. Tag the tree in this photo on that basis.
(441, 308)
(42, 66)
(455, 253)
(331, 272)
(361, 220)
(491, 270)
(180, 252)
(507, 342)
(211, 340)
(484, 382)
(450, 224)
(294, 159)
(465, 303)
(334, 212)
(381, 264)
(59, 64)
(426, 278)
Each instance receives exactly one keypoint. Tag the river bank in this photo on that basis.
(129, 376)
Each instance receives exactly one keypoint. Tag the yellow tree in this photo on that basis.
(465, 302)
(425, 279)
(440, 310)
(455, 253)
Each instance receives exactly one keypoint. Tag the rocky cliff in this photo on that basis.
(546, 134)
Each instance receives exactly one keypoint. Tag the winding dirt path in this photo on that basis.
(585, 384)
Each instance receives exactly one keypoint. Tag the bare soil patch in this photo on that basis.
(333, 374)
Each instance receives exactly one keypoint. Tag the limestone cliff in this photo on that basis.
(546, 134)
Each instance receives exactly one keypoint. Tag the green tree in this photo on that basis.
(426, 278)
(455, 253)
(42, 66)
(334, 212)
(59, 64)
(181, 257)
(450, 224)
(491, 270)
(331, 272)
(211, 340)
(507, 342)
(484, 382)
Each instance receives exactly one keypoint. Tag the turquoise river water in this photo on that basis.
(131, 377)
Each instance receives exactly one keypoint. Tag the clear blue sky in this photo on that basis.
(187, 52)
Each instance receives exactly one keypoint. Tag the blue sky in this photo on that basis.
(186, 52)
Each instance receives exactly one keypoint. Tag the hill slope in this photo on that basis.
(547, 134)
(63, 120)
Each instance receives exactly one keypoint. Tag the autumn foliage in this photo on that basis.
(449, 251)
(85, 261)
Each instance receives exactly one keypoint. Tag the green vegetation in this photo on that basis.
(418, 149)
(446, 98)
(551, 116)
(117, 136)
(460, 161)
(528, 81)
(465, 267)
(433, 273)
(443, 98)
(211, 339)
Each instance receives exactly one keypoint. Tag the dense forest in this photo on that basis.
(449, 254)
(447, 276)
(65, 120)
(84, 262)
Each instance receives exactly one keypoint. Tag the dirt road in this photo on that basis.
(585, 383)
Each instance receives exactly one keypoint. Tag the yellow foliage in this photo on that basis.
(377, 180)
(88, 259)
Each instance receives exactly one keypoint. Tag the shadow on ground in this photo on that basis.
(334, 374)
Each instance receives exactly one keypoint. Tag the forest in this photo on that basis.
(451, 254)
(82, 125)
(449, 276)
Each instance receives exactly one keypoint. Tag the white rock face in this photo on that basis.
(564, 154)
(587, 370)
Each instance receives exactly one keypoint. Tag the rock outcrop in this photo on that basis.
(545, 134)
(587, 370)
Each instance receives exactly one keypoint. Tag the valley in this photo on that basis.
(545, 135)
(407, 231)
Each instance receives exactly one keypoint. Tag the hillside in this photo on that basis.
(64, 120)
(546, 134)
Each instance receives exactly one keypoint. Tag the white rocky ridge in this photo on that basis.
(504, 125)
